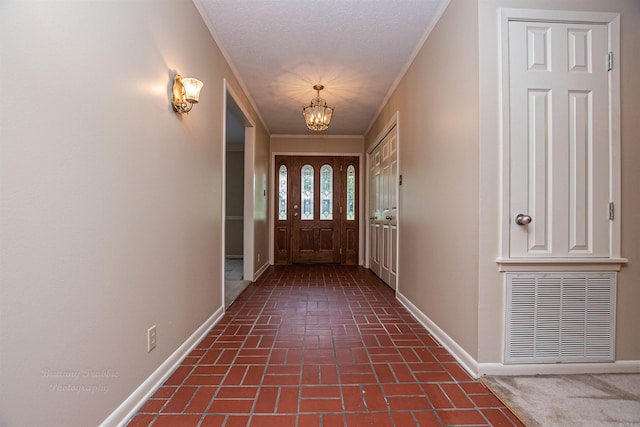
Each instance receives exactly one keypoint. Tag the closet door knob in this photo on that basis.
(522, 219)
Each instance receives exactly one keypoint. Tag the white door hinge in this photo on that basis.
(610, 61)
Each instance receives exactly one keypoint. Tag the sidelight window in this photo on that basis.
(306, 195)
(351, 193)
(326, 192)
(282, 193)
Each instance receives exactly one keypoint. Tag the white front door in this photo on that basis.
(559, 139)
(383, 209)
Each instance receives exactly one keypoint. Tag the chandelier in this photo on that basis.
(317, 115)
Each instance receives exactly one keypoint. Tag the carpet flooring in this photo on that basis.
(233, 269)
(604, 400)
(233, 283)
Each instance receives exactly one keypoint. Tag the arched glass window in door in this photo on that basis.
(351, 193)
(282, 193)
(306, 189)
(326, 192)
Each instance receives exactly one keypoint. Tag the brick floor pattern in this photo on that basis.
(320, 346)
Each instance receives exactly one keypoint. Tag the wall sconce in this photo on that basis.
(186, 92)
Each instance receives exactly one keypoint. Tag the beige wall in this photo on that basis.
(437, 101)
(491, 290)
(111, 203)
(315, 144)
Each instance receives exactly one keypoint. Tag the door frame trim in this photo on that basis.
(612, 20)
(272, 195)
(249, 186)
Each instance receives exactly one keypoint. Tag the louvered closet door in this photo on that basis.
(559, 139)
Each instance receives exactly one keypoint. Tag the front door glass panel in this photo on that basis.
(326, 192)
(282, 193)
(306, 195)
(351, 193)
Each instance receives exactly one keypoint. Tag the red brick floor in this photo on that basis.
(320, 346)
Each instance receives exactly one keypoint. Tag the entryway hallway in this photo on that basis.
(320, 346)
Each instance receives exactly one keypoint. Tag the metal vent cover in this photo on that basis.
(560, 317)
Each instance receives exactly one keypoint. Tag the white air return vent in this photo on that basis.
(560, 317)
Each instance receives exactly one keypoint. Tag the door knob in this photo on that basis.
(389, 218)
(295, 214)
(522, 219)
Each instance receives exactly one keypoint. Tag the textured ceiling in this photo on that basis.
(356, 48)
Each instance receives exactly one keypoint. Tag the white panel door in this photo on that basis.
(390, 208)
(559, 139)
(383, 202)
(375, 194)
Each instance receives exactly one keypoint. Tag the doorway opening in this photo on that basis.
(239, 140)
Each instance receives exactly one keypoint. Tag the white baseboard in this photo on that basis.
(261, 270)
(468, 363)
(127, 409)
(619, 367)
